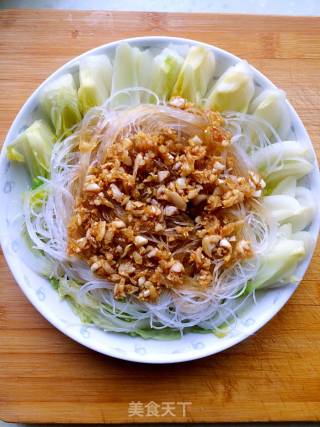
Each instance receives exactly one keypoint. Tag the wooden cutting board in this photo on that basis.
(275, 374)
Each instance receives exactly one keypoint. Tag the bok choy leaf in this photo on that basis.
(59, 100)
(195, 74)
(298, 210)
(33, 147)
(125, 74)
(95, 74)
(165, 71)
(278, 264)
(233, 90)
(271, 106)
(281, 160)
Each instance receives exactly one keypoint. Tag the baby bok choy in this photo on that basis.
(144, 65)
(278, 264)
(195, 75)
(33, 147)
(95, 74)
(281, 160)
(271, 106)
(166, 67)
(59, 101)
(125, 74)
(233, 90)
(298, 210)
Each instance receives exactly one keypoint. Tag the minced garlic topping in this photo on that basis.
(158, 213)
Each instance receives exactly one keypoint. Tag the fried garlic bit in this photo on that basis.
(158, 213)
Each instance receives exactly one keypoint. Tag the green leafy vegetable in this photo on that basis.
(59, 100)
(37, 197)
(195, 74)
(95, 74)
(165, 334)
(33, 147)
(55, 283)
(89, 312)
(233, 90)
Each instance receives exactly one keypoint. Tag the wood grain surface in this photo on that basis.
(275, 374)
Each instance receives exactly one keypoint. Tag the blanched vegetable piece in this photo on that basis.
(285, 232)
(304, 217)
(70, 288)
(195, 74)
(306, 238)
(234, 89)
(281, 207)
(95, 74)
(37, 197)
(278, 264)
(286, 186)
(89, 311)
(271, 106)
(281, 160)
(34, 258)
(59, 100)
(125, 74)
(166, 67)
(298, 210)
(33, 147)
(144, 70)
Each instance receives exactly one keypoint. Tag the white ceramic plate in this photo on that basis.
(38, 290)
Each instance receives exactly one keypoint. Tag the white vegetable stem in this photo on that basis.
(278, 264)
(144, 71)
(95, 74)
(233, 90)
(271, 106)
(298, 210)
(33, 147)
(281, 160)
(59, 100)
(125, 74)
(166, 67)
(195, 75)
